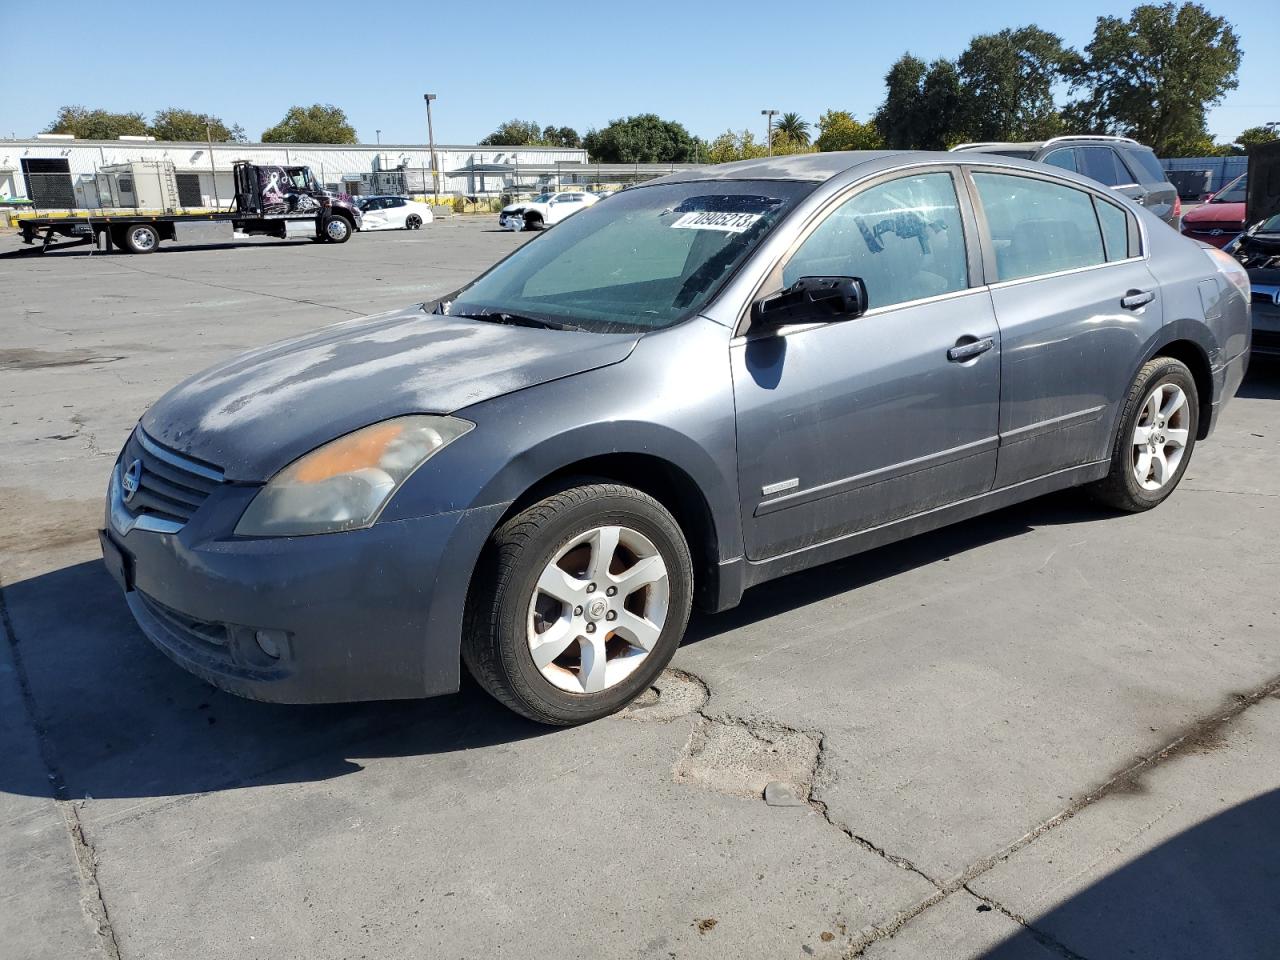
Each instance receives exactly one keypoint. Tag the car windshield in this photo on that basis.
(1237, 191)
(645, 258)
(541, 198)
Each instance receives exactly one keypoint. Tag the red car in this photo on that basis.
(1221, 219)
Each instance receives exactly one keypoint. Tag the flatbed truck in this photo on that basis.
(270, 201)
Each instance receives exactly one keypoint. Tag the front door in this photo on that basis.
(848, 425)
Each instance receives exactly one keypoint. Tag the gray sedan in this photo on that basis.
(695, 386)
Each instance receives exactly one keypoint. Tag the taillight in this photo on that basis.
(1177, 205)
(1231, 269)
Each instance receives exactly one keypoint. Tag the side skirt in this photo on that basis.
(737, 575)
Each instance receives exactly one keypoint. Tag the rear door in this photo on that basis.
(1075, 303)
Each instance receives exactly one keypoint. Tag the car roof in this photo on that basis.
(1033, 146)
(816, 167)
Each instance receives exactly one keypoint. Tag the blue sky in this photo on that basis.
(709, 65)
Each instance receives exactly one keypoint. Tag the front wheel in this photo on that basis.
(1157, 434)
(337, 230)
(578, 603)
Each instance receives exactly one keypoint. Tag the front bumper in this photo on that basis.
(363, 615)
(511, 221)
(1266, 320)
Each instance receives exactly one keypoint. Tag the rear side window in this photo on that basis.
(1065, 158)
(1145, 162)
(1103, 165)
(1115, 229)
(904, 238)
(1038, 227)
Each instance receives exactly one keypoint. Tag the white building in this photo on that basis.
(204, 171)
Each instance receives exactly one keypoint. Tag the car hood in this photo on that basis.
(257, 413)
(1215, 213)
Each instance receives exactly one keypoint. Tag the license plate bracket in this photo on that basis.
(118, 563)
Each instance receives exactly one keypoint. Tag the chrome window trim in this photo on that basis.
(1001, 284)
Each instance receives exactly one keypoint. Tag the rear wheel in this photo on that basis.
(140, 238)
(578, 603)
(413, 221)
(1156, 436)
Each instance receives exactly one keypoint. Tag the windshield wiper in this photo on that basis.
(515, 320)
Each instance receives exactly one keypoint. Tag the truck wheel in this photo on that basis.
(337, 229)
(140, 238)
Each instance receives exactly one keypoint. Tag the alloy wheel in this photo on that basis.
(598, 609)
(1160, 436)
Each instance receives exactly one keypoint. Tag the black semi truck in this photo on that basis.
(270, 201)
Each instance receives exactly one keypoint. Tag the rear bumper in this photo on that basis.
(1266, 329)
(1227, 380)
(363, 615)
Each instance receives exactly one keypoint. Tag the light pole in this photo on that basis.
(431, 138)
(379, 133)
(768, 129)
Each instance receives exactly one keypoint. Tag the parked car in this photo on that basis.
(712, 380)
(1221, 218)
(394, 213)
(545, 209)
(1258, 247)
(1121, 163)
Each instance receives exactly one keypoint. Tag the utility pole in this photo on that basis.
(213, 167)
(768, 130)
(431, 139)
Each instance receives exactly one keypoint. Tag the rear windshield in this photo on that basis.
(1145, 161)
(645, 258)
(1237, 191)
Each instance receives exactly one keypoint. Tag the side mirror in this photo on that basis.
(811, 300)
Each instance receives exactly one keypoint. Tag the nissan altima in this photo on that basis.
(695, 386)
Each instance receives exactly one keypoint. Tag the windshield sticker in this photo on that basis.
(712, 220)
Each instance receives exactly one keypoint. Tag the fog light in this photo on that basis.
(271, 642)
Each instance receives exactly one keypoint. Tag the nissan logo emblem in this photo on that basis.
(130, 480)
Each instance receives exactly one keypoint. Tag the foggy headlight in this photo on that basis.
(345, 484)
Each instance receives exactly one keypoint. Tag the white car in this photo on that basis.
(393, 213)
(544, 210)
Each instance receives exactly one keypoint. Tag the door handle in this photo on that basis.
(967, 351)
(1136, 298)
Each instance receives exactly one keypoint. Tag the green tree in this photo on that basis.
(515, 133)
(924, 106)
(838, 130)
(178, 124)
(1255, 136)
(561, 137)
(86, 124)
(1007, 81)
(645, 138)
(735, 145)
(318, 123)
(793, 128)
(1154, 75)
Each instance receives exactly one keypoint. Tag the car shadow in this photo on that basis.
(821, 583)
(1211, 891)
(1263, 380)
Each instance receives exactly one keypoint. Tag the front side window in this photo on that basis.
(1102, 164)
(1038, 226)
(904, 239)
(647, 259)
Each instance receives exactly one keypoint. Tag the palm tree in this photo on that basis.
(792, 127)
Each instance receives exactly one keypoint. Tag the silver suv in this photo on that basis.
(1121, 163)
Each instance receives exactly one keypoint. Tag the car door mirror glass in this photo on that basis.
(811, 300)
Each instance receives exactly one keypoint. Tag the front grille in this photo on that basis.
(1207, 229)
(170, 486)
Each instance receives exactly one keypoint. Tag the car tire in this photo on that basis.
(1156, 437)
(534, 221)
(560, 543)
(336, 229)
(140, 238)
(413, 222)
